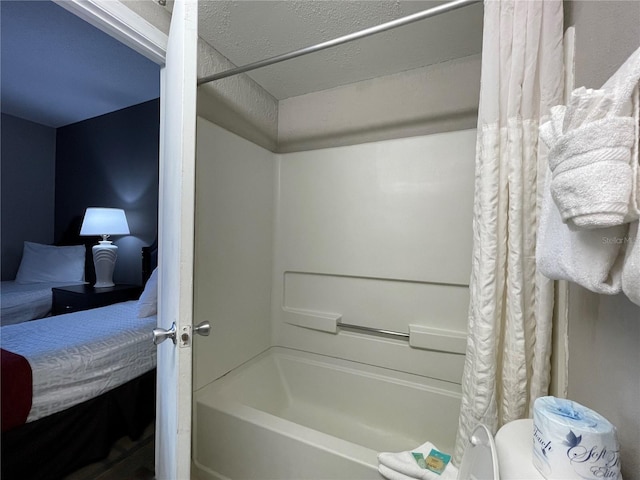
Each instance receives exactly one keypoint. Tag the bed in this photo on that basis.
(42, 268)
(24, 302)
(73, 384)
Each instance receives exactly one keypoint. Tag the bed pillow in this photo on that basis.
(48, 263)
(148, 301)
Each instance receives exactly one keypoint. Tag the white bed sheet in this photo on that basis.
(78, 356)
(22, 302)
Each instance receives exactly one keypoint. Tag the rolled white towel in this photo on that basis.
(403, 465)
(591, 173)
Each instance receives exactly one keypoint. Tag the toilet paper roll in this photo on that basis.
(571, 441)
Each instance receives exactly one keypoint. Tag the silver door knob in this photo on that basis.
(161, 334)
(203, 328)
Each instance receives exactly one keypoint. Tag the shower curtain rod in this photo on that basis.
(399, 22)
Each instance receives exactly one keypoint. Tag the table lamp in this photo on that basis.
(104, 222)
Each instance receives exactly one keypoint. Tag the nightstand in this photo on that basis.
(83, 297)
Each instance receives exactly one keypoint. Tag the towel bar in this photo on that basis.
(419, 336)
(374, 330)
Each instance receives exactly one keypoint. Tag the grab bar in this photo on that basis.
(419, 336)
(379, 331)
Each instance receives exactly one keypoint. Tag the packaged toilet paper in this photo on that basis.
(571, 441)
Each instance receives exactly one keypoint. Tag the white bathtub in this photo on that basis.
(291, 415)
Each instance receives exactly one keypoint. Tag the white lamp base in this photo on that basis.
(104, 260)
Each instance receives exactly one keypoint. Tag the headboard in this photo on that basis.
(149, 260)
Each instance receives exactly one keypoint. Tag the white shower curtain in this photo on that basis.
(507, 361)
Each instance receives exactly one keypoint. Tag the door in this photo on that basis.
(175, 241)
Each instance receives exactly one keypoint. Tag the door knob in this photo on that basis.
(161, 334)
(203, 328)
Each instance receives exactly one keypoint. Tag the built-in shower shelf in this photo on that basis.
(419, 336)
(324, 322)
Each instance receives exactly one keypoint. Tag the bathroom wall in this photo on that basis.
(438, 98)
(604, 331)
(233, 250)
(378, 234)
(28, 188)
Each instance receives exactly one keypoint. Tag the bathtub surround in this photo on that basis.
(379, 235)
(290, 233)
(235, 198)
(376, 235)
(507, 364)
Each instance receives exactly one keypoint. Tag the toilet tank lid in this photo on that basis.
(480, 459)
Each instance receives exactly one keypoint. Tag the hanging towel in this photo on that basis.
(593, 147)
(403, 465)
(590, 258)
(592, 191)
(626, 85)
(590, 155)
(631, 268)
(591, 173)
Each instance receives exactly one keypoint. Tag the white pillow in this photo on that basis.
(48, 263)
(148, 301)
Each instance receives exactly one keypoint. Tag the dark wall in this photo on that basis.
(111, 161)
(27, 200)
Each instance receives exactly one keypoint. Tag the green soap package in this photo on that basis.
(437, 461)
(419, 459)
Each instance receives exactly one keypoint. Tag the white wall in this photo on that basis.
(379, 233)
(604, 332)
(233, 250)
(434, 99)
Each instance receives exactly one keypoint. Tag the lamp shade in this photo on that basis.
(104, 221)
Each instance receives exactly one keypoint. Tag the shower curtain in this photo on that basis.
(507, 362)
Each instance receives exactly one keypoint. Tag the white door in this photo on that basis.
(175, 240)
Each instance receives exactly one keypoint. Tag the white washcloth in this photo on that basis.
(631, 268)
(403, 466)
(590, 164)
(590, 258)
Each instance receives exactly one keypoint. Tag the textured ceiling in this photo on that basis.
(57, 69)
(246, 31)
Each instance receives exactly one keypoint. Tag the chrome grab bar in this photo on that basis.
(379, 331)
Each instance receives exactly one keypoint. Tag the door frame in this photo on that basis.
(123, 24)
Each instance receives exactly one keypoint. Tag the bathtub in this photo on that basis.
(292, 415)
